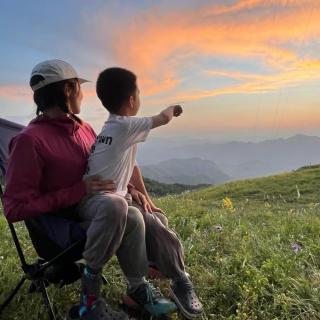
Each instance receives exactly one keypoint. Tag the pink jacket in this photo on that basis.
(46, 163)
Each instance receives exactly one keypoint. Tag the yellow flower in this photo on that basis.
(227, 203)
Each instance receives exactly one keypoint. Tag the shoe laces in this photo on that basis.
(153, 293)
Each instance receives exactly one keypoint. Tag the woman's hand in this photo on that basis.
(140, 199)
(154, 208)
(95, 184)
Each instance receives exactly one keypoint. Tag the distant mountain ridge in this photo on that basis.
(185, 171)
(235, 159)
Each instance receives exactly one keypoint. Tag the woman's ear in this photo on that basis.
(67, 90)
(68, 93)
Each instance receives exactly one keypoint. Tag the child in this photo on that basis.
(114, 153)
(113, 157)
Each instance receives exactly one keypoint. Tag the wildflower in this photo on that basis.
(296, 247)
(227, 203)
(298, 192)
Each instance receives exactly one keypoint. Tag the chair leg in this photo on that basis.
(13, 293)
(47, 300)
(104, 279)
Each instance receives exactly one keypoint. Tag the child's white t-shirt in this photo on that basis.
(113, 156)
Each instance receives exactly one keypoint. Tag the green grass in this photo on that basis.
(247, 270)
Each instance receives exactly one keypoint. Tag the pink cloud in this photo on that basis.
(15, 93)
(158, 44)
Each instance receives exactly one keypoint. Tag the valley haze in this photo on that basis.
(208, 162)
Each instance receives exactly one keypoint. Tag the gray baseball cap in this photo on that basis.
(54, 71)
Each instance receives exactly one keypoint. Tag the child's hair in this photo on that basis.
(114, 87)
(51, 95)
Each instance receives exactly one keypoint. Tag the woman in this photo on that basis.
(44, 177)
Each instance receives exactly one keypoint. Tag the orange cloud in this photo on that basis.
(158, 45)
(301, 72)
(21, 93)
(238, 121)
(15, 92)
(253, 4)
(89, 91)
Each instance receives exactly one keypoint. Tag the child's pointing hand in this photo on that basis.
(177, 110)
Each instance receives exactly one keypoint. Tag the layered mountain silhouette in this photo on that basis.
(161, 160)
(186, 171)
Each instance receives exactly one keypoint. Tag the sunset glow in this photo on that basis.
(254, 60)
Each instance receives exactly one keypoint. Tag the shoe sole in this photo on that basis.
(184, 312)
(73, 313)
(131, 304)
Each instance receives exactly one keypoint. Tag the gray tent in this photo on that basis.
(8, 130)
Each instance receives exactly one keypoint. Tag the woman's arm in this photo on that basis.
(22, 198)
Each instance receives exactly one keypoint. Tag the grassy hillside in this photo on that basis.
(252, 248)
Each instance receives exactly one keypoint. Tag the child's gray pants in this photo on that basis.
(135, 237)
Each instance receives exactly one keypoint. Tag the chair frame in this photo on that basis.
(33, 272)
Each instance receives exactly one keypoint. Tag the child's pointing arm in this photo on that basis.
(166, 115)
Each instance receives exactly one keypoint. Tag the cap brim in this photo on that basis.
(83, 80)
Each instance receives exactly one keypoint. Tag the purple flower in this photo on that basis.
(296, 247)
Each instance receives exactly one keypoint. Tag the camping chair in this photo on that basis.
(57, 261)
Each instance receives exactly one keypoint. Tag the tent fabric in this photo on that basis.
(8, 130)
(49, 232)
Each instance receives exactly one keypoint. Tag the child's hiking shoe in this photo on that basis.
(183, 294)
(100, 310)
(150, 299)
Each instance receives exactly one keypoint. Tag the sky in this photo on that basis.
(241, 69)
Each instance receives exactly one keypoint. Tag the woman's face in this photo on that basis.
(75, 98)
